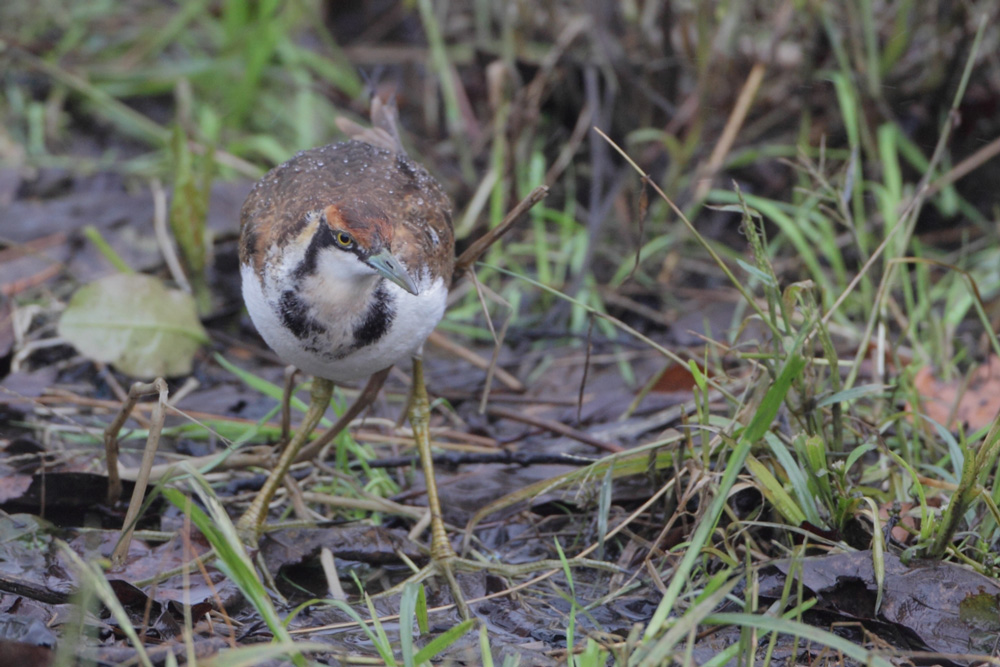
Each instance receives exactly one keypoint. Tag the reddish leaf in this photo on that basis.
(952, 402)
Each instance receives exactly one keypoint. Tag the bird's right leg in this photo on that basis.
(249, 525)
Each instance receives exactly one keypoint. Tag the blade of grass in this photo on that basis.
(114, 259)
(760, 423)
(407, 610)
(232, 557)
(775, 493)
(443, 641)
(249, 656)
(659, 652)
(98, 582)
(789, 627)
(797, 477)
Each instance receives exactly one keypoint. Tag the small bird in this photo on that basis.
(346, 254)
(346, 257)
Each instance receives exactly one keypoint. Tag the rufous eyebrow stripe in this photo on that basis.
(367, 223)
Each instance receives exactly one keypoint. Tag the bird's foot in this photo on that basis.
(444, 568)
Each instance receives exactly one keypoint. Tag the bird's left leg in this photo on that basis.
(420, 418)
(444, 560)
(443, 556)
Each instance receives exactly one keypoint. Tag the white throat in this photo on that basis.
(337, 310)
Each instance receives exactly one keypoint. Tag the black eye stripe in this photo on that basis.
(325, 238)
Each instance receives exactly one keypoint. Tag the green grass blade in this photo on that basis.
(775, 493)
(811, 632)
(407, 610)
(232, 556)
(760, 423)
(443, 641)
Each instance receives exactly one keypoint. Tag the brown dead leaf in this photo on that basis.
(926, 605)
(953, 402)
(676, 378)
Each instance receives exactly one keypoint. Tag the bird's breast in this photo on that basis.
(342, 332)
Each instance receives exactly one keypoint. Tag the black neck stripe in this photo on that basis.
(377, 318)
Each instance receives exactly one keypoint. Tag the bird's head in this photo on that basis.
(366, 233)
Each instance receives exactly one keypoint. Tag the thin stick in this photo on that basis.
(167, 249)
(483, 243)
(135, 392)
(963, 168)
(732, 128)
(555, 427)
(586, 369)
(159, 385)
(465, 354)
(494, 367)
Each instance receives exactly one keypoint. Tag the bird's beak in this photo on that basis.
(391, 269)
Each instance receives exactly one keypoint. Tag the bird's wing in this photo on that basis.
(383, 133)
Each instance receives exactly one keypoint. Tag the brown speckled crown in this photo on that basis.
(361, 186)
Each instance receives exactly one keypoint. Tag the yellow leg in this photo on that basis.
(420, 416)
(250, 523)
(443, 557)
(444, 560)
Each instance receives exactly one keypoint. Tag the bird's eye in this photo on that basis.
(344, 239)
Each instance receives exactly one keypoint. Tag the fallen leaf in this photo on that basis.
(676, 378)
(974, 404)
(926, 605)
(136, 323)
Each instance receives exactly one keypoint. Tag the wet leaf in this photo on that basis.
(675, 378)
(368, 544)
(981, 612)
(926, 606)
(145, 562)
(74, 492)
(135, 323)
(26, 631)
(24, 541)
(25, 641)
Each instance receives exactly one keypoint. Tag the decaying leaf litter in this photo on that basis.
(862, 240)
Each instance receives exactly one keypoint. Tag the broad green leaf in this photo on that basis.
(135, 323)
